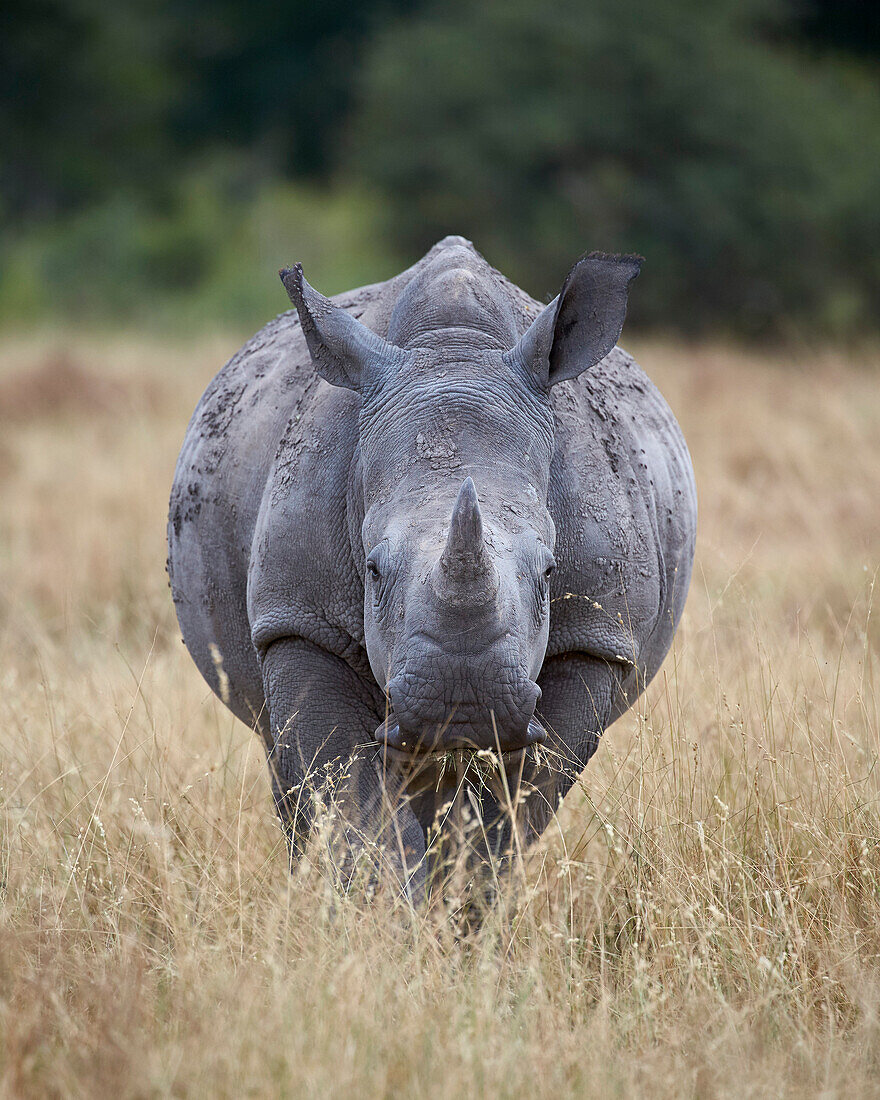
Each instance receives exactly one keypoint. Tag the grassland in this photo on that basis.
(704, 919)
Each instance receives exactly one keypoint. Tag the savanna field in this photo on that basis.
(702, 921)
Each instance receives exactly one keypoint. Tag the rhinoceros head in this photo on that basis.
(456, 440)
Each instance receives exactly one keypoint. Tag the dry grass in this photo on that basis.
(703, 921)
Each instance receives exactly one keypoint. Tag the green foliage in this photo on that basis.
(744, 173)
(207, 260)
(101, 97)
(86, 88)
(168, 155)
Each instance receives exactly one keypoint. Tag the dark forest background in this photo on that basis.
(162, 158)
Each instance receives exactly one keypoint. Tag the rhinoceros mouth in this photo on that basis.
(441, 774)
(424, 763)
(443, 741)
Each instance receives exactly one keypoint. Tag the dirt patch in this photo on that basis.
(61, 386)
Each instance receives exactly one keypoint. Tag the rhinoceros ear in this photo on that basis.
(345, 352)
(583, 323)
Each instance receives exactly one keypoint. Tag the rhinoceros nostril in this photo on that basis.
(389, 733)
(394, 693)
(531, 697)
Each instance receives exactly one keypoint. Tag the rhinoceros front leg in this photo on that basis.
(581, 696)
(323, 718)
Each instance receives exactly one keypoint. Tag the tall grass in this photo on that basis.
(702, 920)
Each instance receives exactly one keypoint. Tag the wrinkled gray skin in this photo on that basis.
(428, 516)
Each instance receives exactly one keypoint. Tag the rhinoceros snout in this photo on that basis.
(420, 721)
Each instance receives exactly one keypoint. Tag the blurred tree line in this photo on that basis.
(163, 157)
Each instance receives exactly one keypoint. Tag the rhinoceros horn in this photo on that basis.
(465, 557)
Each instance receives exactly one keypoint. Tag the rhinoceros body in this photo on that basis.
(361, 566)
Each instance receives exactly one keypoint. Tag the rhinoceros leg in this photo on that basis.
(581, 696)
(323, 719)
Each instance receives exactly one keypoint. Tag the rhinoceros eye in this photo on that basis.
(379, 569)
(377, 561)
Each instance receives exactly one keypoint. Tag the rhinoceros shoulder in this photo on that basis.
(623, 499)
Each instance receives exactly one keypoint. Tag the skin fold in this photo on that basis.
(430, 539)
